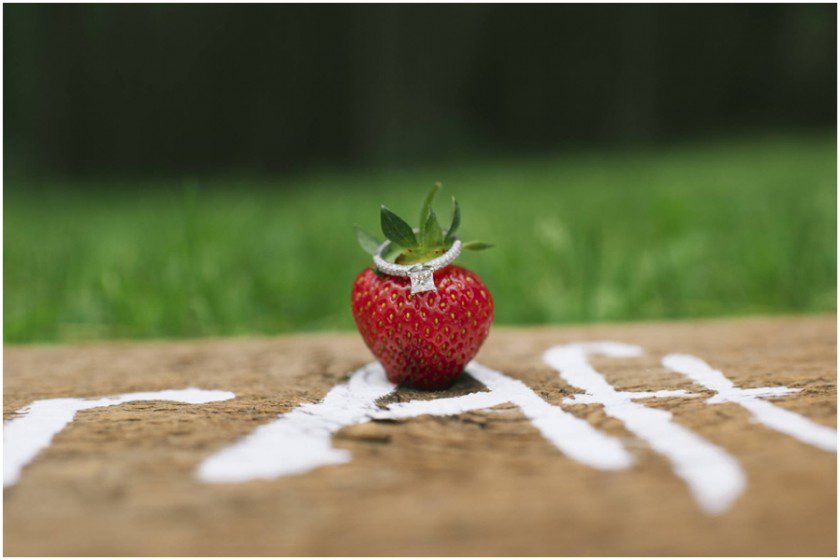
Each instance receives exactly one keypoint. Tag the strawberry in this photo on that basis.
(423, 339)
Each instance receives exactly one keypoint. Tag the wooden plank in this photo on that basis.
(122, 479)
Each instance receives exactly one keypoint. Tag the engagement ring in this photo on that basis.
(422, 274)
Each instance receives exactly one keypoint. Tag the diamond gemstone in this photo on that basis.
(422, 279)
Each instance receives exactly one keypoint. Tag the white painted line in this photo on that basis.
(568, 433)
(452, 406)
(763, 412)
(30, 433)
(714, 477)
(300, 440)
(583, 398)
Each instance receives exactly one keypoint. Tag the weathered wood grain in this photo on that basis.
(120, 480)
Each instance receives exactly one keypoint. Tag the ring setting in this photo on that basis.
(421, 275)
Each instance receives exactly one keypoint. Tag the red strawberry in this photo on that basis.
(423, 339)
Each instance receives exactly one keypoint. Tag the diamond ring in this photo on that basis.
(421, 274)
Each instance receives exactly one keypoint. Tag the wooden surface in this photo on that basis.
(121, 480)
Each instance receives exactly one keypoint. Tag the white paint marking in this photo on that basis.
(714, 477)
(637, 395)
(30, 433)
(772, 416)
(568, 433)
(452, 406)
(571, 435)
(300, 440)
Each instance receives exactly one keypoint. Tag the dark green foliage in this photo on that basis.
(431, 232)
(476, 246)
(431, 243)
(456, 221)
(397, 230)
(366, 241)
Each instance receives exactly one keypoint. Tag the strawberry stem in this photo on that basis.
(410, 246)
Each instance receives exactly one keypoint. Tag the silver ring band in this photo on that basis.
(421, 274)
(404, 269)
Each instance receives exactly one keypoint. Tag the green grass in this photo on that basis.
(723, 228)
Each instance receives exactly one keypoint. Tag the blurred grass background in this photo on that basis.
(704, 228)
(196, 170)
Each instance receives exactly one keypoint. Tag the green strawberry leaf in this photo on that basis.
(427, 206)
(391, 252)
(431, 236)
(396, 229)
(456, 221)
(476, 246)
(368, 242)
